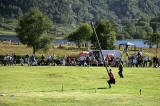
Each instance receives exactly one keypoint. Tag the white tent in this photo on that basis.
(106, 52)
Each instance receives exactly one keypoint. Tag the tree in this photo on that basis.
(155, 24)
(1, 19)
(143, 28)
(106, 35)
(32, 30)
(83, 33)
(153, 32)
(153, 38)
(130, 29)
(149, 40)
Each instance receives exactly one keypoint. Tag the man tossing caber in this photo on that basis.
(112, 78)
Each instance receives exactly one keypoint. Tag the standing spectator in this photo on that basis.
(5, 60)
(157, 62)
(48, 59)
(27, 59)
(145, 61)
(42, 59)
(33, 58)
(141, 61)
(14, 59)
(135, 62)
(150, 61)
(53, 59)
(64, 61)
(10, 60)
(154, 61)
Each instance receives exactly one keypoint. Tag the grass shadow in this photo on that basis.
(96, 88)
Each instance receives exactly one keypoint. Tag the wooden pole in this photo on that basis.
(94, 31)
(62, 88)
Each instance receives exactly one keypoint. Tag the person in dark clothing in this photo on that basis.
(42, 60)
(112, 78)
(120, 70)
(14, 59)
(157, 62)
(154, 61)
(27, 59)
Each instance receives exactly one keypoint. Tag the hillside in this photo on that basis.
(71, 13)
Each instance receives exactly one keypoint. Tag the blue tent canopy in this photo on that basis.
(130, 44)
(127, 44)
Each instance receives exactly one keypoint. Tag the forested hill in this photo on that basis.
(74, 12)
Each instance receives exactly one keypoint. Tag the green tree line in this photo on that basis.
(126, 15)
(80, 11)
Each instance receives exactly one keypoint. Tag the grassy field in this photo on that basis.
(7, 48)
(77, 86)
(72, 50)
(10, 33)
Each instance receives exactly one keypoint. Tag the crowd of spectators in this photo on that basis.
(92, 59)
(138, 60)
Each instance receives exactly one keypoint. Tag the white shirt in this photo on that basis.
(82, 58)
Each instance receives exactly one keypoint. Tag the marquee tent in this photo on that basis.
(127, 44)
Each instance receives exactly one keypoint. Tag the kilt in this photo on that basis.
(112, 81)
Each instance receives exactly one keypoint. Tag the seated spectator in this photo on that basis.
(39, 61)
(95, 62)
(34, 63)
(82, 59)
(22, 62)
(64, 60)
(73, 62)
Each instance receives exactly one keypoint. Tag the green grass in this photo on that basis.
(72, 50)
(10, 33)
(82, 86)
(7, 48)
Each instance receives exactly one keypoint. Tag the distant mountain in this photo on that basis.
(74, 12)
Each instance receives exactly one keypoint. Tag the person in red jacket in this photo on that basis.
(112, 78)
